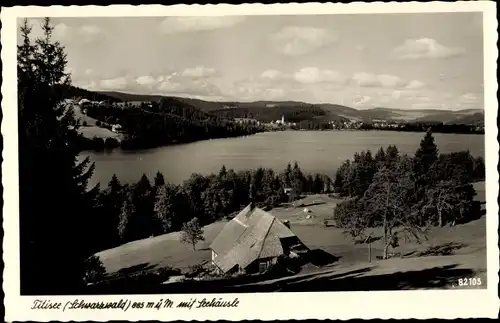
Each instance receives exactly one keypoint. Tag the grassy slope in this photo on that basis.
(91, 130)
(470, 239)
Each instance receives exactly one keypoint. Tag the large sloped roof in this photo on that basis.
(251, 235)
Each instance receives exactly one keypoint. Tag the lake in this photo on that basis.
(315, 151)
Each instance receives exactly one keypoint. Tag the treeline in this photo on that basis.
(149, 208)
(98, 143)
(167, 122)
(435, 127)
(406, 195)
(318, 125)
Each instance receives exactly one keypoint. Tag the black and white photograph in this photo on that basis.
(248, 153)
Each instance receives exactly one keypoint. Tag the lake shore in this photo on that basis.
(315, 151)
(90, 132)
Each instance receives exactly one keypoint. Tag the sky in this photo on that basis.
(405, 61)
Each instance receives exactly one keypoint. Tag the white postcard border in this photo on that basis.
(266, 306)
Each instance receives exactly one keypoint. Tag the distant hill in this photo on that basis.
(297, 111)
(291, 113)
(470, 119)
(73, 91)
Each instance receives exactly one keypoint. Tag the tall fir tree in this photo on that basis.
(114, 184)
(56, 208)
(426, 154)
(159, 179)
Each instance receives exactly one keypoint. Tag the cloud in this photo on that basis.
(192, 82)
(468, 98)
(64, 33)
(171, 25)
(426, 48)
(361, 47)
(199, 71)
(364, 79)
(90, 30)
(361, 100)
(89, 33)
(296, 41)
(373, 80)
(60, 32)
(414, 85)
(313, 75)
(118, 83)
(271, 74)
(418, 98)
(309, 84)
(147, 81)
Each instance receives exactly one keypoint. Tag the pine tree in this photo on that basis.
(143, 199)
(391, 155)
(126, 213)
(222, 171)
(48, 150)
(114, 185)
(159, 179)
(426, 154)
(287, 176)
(318, 184)
(380, 157)
(143, 186)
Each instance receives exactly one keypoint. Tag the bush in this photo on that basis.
(111, 143)
(195, 271)
(94, 270)
(85, 123)
(98, 143)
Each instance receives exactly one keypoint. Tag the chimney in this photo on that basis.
(287, 223)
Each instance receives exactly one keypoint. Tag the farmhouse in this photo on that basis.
(84, 103)
(116, 128)
(253, 241)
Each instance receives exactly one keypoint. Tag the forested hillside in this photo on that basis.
(166, 122)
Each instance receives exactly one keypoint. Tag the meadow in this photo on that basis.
(460, 249)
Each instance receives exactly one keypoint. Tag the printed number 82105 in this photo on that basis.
(469, 282)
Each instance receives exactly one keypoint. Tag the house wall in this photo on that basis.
(261, 265)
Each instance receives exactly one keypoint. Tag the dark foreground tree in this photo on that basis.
(192, 233)
(426, 154)
(55, 207)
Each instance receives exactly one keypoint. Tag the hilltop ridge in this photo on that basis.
(296, 111)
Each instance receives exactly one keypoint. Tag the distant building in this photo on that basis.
(84, 102)
(116, 128)
(282, 121)
(245, 120)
